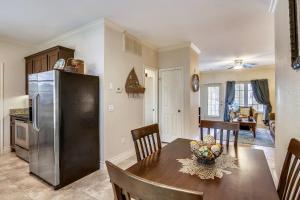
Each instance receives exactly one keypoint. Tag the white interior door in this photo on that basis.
(171, 103)
(150, 96)
(1, 107)
(212, 102)
(149, 101)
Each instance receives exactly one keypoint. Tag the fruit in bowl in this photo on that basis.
(207, 150)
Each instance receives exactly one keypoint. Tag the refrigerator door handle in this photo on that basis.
(35, 112)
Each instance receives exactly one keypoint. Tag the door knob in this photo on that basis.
(179, 110)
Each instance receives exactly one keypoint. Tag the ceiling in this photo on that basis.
(222, 29)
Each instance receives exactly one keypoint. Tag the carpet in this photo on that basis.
(263, 137)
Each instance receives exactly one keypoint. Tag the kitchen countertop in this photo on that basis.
(21, 113)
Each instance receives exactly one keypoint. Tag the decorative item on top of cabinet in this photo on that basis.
(74, 66)
(132, 85)
(45, 60)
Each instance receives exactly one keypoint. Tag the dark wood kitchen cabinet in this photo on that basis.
(45, 60)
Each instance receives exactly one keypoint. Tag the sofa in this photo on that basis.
(272, 124)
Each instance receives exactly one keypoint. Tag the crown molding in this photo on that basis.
(121, 29)
(195, 48)
(174, 47)
(15, 42)
(91, 25)
(272, 7)
(180, 46)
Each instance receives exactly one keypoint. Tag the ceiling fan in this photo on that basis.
(240, 64)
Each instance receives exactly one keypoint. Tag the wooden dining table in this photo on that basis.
(251, 180)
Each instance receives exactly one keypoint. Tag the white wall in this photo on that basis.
(188, 59)
(101, 47)
(220, 77)
(287, 87)
(128, 111)
(14, 82)
(88, 42)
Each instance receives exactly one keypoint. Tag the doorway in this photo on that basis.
(171, 101)
(150, 96)
(1, 107)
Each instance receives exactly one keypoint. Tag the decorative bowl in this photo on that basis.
(206, 151)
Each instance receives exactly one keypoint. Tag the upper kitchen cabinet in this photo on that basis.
(45, 60)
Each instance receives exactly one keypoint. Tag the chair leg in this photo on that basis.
(236, 135)
(201, 133)
(228, 138)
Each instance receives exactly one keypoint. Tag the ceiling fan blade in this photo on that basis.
(230, 67)
(249, 65)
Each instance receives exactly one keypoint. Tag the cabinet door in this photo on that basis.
(37, 64)
(52, 58)
(29, 67)
(44, 60)
(28, 70)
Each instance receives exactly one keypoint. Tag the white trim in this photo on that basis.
(6, 149)
(155, 70)
(118, 158)
(2, 150)
(195, 48)
(174, 47)
(91, 25)
(180, 46)
(121, 29)
(170, 68)
(272, 7)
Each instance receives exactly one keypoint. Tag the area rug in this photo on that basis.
(263, 137)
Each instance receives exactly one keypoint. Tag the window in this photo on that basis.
(244, 97)
(239, 98)
(213, 107)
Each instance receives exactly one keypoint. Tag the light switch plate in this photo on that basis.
(118, 90)
(111, 108)
(111, 87)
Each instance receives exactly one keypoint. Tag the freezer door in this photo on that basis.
(33, 134)
(45, 127)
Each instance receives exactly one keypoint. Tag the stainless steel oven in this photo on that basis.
(22, 139)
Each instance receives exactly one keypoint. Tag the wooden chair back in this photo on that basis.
(219, 125)
(146, 141)
(126, 186)
(289, 183)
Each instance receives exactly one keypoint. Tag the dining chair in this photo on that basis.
(289, 182)
(126, 186)
(219, 125)
(146, 141)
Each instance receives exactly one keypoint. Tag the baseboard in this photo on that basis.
(118, 158)
(6, 149)
(275, 178)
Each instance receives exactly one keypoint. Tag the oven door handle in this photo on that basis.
(35, 112)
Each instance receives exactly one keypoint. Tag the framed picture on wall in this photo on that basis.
(294, 12)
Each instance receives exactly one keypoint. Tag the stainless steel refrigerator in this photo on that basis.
(63, 126)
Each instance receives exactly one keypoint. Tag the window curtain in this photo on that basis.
(229, 99)
(262, 96)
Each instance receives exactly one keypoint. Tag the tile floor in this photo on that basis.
(17, 184)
